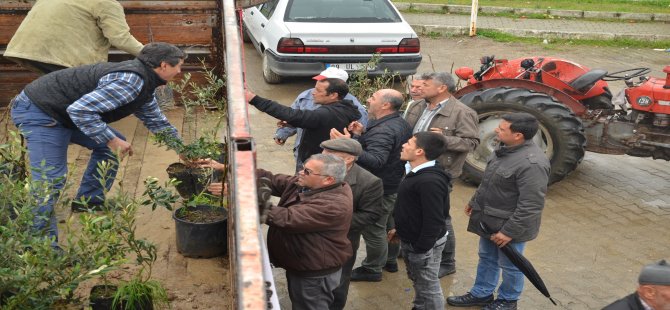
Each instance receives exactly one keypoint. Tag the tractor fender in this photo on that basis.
(571, 103)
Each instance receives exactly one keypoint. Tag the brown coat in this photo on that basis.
(308, 231)
(459, 124)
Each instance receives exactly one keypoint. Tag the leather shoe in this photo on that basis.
(391, 267)
(445, 271)
(468, 300)
(501, 304)
(364, 275)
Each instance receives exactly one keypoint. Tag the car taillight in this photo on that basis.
(290, 45)
(386, 49)
(409, 45)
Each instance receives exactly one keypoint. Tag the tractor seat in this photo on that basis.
(586, 80)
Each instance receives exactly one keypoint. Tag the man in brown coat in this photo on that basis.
(442, 113)
(368, 193)
(308, 229)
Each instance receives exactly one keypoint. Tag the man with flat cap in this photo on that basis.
(367, 191)
(653, 292)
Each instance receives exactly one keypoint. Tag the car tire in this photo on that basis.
(245, 35)
(268, 75)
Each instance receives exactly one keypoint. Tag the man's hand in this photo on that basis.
(120, 147)
(282, 124)
(356, 128)
(279, 141)
(468, 210)
(248, 95)
(334, 134)
(217, 189)
(392, 237)
(500, 239)
(210, 163)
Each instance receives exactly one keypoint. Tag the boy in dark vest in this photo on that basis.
(76, 105)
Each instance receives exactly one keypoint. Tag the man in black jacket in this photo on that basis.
(420, 212)
(652, 293)
(382, 141)
(335, 112)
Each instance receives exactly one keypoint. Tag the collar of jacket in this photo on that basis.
(375, 122)
(351, 177)
(504, 150)
(323, 189)
(152, 73)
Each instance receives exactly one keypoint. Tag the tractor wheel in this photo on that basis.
(268, 75)
(561, 134)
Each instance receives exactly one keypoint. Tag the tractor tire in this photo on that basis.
(561, 134)
(268, 75)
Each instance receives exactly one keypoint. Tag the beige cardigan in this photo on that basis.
(72, 33)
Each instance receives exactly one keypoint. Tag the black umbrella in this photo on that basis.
(523, 264)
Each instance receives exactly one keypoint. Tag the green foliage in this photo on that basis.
(618, 42)
(204, 147)
(362, 86)
(136, 292)
(208, 95)
(159, 195)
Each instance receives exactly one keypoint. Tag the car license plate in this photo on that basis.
(351, 66)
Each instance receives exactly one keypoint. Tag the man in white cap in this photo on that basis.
(305, 101)
(653, 292)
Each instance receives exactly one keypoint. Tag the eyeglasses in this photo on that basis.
(306, 171)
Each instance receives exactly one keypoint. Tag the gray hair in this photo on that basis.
(441, 78)
(154, 53)
(332, 166)
(394, 99)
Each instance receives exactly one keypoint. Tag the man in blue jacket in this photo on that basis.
(420, 212)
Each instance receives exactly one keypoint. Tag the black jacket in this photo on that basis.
(56, 91)
(630, 302)
(382, 143)
(422, 208)
(316, 123)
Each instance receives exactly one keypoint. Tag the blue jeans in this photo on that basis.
(47, 142)
(422, 269)
(491, 261)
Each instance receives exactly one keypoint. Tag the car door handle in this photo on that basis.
(263, 25)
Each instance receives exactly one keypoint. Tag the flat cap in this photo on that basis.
(344, 145)
(655, 274)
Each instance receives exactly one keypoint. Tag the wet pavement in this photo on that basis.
(600, 225)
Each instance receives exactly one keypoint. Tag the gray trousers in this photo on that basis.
(422, 269)
(312, 293)
(376, 243)
(342, 290)
(449, 252)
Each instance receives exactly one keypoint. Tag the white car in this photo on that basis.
(304, 37)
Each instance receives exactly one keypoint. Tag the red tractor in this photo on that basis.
(574, 106)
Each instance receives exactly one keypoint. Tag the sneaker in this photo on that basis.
(468, 300)
(391, 267)
(446, 270)
(362, 274)
(78, 206)
(501, 304)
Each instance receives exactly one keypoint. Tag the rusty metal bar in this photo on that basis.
(246, 256)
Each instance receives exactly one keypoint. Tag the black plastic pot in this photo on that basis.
(192, 180)
(201, 240)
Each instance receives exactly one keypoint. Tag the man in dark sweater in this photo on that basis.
(421, 209)
(76, 105)
(336, 112)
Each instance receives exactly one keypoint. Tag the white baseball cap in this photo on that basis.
(332, 73)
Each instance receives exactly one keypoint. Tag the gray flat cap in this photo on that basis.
(655, 274)
(344, 145)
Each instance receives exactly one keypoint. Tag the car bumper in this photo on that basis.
(312, 65)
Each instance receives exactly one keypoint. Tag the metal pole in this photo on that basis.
(473, 18)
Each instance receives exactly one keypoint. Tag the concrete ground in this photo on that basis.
(600, 225)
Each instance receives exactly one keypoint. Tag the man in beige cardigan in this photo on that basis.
(58, 34)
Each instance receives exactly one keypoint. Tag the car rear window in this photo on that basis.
(341, 11)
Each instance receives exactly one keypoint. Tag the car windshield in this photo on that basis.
(341, 11)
